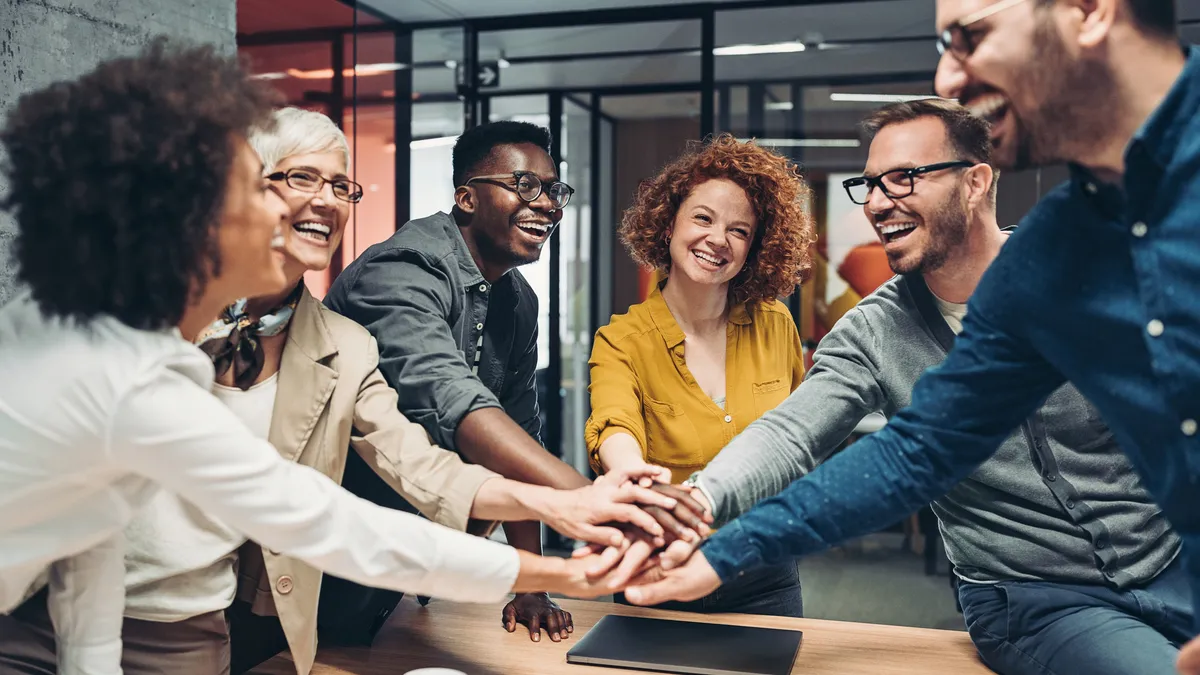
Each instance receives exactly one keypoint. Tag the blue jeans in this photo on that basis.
(771, 591)
(1046, 628)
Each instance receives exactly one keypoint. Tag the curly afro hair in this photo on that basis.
(780, 256)
(117, 181)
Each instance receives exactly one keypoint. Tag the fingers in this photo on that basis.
(603, 563)
(643, 475)
(597, 535)
(590, 549)
(638, 517)
(639, 552)
(509, 617)
(535, 628)
(690, 511)
(553, 627)
(570, 622)
(677, 553)
(671, 524)
(644, 496)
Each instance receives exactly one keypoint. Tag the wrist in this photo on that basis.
(538, 574)
(538, 502)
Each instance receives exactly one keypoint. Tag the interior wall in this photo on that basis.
(643, 147)
(1019, 191)
(43, 42)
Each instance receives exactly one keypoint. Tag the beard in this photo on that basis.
(945, 230)
(1070, 112)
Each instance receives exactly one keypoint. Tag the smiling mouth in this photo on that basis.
(535, 229)
(991, 108)
(318, 232)
(709, 258)
(894, 231)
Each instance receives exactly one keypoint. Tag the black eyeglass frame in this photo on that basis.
(353, 197)
(497, 179)
(909, 174)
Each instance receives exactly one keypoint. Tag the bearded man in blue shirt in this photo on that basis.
(1100, 286)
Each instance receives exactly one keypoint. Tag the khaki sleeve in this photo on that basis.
(434, 480)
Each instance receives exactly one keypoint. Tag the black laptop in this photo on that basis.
(671, 646)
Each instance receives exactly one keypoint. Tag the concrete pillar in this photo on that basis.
(43, 41)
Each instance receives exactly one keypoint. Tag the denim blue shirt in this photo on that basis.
(1099, 286)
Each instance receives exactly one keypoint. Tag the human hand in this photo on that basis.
(536, 611)
(694, 580)
(1189, 658)
(590, 513)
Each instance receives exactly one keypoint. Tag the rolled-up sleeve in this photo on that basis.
(616, 398)
(404, 300)
(436, 481)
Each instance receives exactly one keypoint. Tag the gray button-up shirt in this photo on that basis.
(450, 343)
(1059, 500)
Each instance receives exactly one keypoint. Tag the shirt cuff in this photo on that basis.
(731, 552)
(708, 496)
(91, 659)
(454, 507)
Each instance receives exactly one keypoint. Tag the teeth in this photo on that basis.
(309, 226)
(987, 107)
(896, 227)
(707, 258)
(540, 227)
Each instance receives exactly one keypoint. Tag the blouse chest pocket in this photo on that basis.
(671, 438)
(768, 394)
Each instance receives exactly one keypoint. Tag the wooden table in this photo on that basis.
(470, 638)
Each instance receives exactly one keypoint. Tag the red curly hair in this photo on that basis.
(780, 256)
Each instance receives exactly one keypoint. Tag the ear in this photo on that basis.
(979, 182)
(1096, 19)
(464, 199)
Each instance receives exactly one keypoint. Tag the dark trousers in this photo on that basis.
(196, 646)
(1046, 628)
(772, 591)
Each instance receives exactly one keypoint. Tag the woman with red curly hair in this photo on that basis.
(712, 348)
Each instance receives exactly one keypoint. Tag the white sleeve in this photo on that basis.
(179, 435)
(86, 601)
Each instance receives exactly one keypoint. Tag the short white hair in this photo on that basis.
(297, 131)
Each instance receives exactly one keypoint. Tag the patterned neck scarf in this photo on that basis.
(232, 340)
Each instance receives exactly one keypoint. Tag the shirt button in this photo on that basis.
(1090, 188)
(1139, 229)
(284, 585)
(1154, 328)
(1110, 574)
(1051, 477)
(483, 287)
(729, 418)
(1188, 427)
(1100, 545)
(478, 326)
(1070, 504)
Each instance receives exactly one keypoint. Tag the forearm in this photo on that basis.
(490, 438)
(620, 451)
(508, 500)
(525, 535)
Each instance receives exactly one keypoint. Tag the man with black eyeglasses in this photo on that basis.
(1098, 286)
(1033, 556)
(456, 324)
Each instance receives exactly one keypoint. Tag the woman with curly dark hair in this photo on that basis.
(142, 211)
(712, 348)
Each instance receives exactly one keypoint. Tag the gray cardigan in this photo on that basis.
(1058, 501)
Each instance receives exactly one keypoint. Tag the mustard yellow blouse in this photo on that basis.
(641, 384)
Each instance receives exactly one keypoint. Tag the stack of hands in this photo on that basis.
(642, 535)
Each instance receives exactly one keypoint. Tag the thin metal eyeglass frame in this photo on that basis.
(286, 176)
(945, 40)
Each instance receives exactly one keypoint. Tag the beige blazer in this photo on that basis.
(332, 397)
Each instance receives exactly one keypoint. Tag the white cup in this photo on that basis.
(435, 671)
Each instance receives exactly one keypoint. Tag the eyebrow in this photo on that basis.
(736, 222)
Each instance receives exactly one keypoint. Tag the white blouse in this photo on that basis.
(93, 419)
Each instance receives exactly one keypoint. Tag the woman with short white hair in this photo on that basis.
(200, 598)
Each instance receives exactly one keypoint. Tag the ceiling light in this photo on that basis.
(806, 142)
(269, 76)
(878, 98)
(778, 105)
(747, 50)
(439, 142)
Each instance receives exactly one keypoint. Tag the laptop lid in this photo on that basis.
(688, 647)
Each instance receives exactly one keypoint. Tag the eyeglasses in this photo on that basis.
(529, 187)
(896, 184)
(958, 41)
(309, 181)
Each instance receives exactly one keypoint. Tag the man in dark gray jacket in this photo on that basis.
(1066, 565)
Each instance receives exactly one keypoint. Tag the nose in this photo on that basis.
(544, 203)
(878, 202)
(950, 78)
